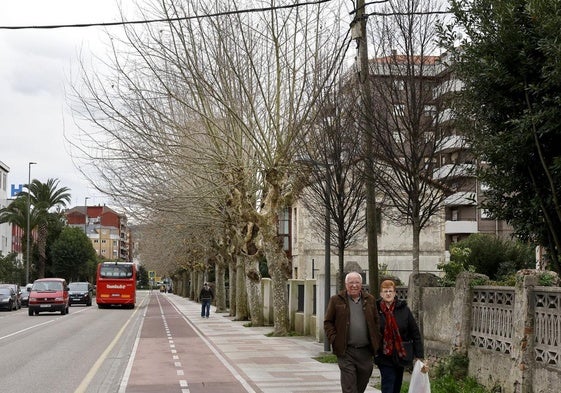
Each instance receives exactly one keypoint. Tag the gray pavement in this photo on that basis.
(258, 363)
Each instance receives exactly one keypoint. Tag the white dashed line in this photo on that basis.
(180, 372)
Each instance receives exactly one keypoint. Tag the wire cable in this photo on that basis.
(165, 20)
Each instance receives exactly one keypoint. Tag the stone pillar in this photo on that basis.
(415, 293)
(523, 323)
(462, 311)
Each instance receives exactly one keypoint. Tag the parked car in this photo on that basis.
(8, 299)
(48, 294)
(80, 293)
(17, 291)
(25, 295)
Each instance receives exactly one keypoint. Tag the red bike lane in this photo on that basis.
(171, 356)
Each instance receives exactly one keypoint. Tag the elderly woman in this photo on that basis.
(401, 338)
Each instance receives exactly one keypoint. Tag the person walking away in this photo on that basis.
(401, 338)
(351, 325)
(206, 295)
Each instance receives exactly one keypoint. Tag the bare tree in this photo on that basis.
(201, 116)
(404, 121)
(333, 170)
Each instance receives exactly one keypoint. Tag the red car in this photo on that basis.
(49, 294)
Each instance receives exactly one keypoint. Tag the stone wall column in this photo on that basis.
(523, 324)
(462, 306)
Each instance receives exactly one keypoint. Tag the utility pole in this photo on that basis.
(359, 34)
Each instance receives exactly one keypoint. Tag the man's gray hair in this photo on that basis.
(351, 274)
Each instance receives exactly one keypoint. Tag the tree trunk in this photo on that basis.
(242, 310)
(220, 288)
(253, 287)
(232, 286)
(414, 300)
(42, 249)
(276, 263)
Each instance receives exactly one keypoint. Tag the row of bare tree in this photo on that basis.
(214, 118)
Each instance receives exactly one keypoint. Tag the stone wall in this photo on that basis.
(511, 335)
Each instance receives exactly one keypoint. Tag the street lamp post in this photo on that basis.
(86, 215)
(28, 220)
(327, 291)
(327, 240)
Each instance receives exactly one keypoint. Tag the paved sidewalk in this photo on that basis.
(271, 364)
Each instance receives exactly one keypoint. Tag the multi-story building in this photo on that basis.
(452, 164)
(462, 209)
(5, 228)
(107, 230)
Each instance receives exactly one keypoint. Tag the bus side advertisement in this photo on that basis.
(116, 284)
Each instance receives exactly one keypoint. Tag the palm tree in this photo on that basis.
(44, 198)
(16, 214)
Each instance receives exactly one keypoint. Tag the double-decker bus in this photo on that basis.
(116, 284)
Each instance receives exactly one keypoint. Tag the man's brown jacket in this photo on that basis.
(337, 320)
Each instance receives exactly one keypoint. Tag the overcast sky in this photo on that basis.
(35, 70)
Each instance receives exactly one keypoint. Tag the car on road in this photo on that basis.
(80, 293)
(8, 299)
(48, 294)
(25, 295)
(16, 290)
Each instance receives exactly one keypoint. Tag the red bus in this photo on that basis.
(116, 284)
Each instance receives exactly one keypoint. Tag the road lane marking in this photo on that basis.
(97, 365)
(38, 325)
(222, 359)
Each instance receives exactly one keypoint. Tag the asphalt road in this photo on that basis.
(87, 350)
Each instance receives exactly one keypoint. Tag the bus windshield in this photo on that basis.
(116, 271)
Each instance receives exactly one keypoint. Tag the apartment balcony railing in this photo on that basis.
(464, 198)
(452, 85)
(453, 227)
(454, 170)
(451, 143)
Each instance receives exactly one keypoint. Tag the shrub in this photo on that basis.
(489, 255)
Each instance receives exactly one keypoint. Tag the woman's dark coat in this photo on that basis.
(408, 330)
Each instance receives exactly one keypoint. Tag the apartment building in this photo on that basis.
(462, 209)
(107, 230)
(448, 162)
(5, 228)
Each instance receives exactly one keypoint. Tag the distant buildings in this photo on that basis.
(107, 230)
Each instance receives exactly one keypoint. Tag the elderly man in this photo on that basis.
(351, 324)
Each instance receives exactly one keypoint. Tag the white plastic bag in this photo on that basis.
(419, 380)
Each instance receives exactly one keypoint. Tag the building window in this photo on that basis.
(455, 214)
(486, 214)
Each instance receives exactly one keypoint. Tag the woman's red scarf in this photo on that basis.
(392, 338)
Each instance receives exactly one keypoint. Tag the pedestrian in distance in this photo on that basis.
(351, 325)
(401, 339)
(205, 296)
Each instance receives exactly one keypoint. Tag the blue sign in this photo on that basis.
(15, 190)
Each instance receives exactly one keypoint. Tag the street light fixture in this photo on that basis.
(28, 220)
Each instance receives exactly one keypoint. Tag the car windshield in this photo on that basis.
(47, 286)
(5, 291)
(78, 286)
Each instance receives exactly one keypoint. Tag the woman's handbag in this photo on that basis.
(420, 382)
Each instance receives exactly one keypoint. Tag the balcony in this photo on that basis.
(456, 227)
(454, 170)
(464, 198)
(453, 85)
(451, 143)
